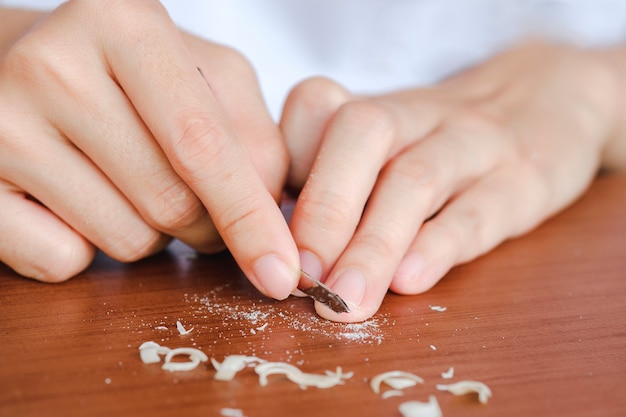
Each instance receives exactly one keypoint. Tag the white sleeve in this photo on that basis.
(32, 4)
(373, 46)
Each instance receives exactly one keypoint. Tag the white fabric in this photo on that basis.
(377, 45)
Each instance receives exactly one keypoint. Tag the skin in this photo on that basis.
(128, 147)
(399, 188)
(110, 138)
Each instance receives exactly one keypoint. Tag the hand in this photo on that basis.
(397, 189)
(111, 138)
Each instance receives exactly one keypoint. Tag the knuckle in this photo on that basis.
(373, 119)
(329, 210)
(317, 92)
(26, 62)
(465, 237)
(412, 174)
(132, 20)
(37, 65)
(240, 218)
(175, 208)
(198, 141)
(426, 184)
(235, 61)
(447, 236)
(380, 243)
(473, 222)
(135, 245)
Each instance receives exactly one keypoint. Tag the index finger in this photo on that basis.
(161, 79)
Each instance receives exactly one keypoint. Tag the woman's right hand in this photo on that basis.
(110, 138)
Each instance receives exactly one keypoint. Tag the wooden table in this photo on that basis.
(541, 320)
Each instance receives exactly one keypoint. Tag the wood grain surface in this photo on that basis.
(541, 320)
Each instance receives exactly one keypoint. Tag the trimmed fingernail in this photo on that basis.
(411, 267)
(310, 264)
(351, 286)
(275, 277)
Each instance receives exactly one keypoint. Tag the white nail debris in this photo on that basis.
(150, 352)
(468, 387)
(391, 393)
(449, 374)
(232, 364)
(421, 409)
(195, 357)
(395, 379)
(273, 368)
(231, 412)
(181, 329)
(433, 347)
(262, 328)
(294, 374)
(440, 309)
(160, 328)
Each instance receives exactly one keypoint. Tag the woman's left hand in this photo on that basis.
(399, 188)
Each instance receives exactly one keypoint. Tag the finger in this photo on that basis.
(162, 81)
(504, 204)
(411, 187)
(77, 192)
(329, 207)
(236, 88)
(523, 192)
(308, 115)
(41, 246)
(307, 111)
(105, 126)
(311, 104)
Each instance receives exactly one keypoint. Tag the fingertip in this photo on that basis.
(358, 313)
(352, 286)
(415, 275)
(274, 277)
(306, 113)
(59, 263)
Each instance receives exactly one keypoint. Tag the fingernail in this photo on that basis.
(351, 286)
(310, 264)
(276, 278)
(410, 268)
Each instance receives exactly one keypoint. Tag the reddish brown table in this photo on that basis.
(541, 320)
